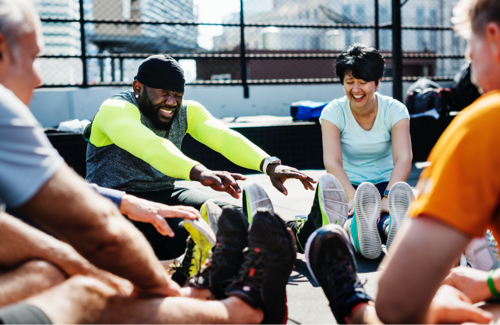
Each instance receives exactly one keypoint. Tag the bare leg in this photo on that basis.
(86, 300)
(191, 292)
(365, 314)
(27, 280)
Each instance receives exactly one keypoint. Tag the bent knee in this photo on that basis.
(51, 274)
(80, 284)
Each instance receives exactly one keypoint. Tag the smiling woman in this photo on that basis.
(366, 144)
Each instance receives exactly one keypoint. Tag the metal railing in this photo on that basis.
(244, 55)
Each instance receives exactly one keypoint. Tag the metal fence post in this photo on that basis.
(377, 40)
(397, 60)
(85, 81)
(243, 54)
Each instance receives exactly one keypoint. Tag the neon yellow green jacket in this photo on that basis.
(120, 124)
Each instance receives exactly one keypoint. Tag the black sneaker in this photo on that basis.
(227, 255)
(269, 260)
(330, 260)
(181, 272)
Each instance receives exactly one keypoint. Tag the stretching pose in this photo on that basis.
(68, 281)
(135, 142)
(366, 146)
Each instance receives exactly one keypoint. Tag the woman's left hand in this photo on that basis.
(385, 207)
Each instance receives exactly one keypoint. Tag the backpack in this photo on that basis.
(464, 91)
(424, 95)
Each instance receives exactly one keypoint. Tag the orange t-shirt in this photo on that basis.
(461, 187)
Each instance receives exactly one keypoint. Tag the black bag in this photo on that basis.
(425, 94)
(464, 91)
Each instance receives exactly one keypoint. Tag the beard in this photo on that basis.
(151, 112)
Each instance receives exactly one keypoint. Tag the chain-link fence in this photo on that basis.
(102, 42)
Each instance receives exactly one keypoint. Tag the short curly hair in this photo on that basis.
(362, 62)
(473, 15)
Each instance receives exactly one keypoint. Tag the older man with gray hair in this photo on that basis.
(107, 273)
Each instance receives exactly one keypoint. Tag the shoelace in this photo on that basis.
(337, 273)
(251, 272)
(186, 262)
(214, 262)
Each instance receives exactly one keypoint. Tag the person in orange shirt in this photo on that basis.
(459, 200)
(459, 191)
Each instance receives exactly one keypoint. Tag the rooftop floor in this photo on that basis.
(307, 303)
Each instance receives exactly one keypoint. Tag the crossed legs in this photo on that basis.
(87, 300)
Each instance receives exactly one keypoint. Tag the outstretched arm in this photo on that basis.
(402, 156)
(146, 211)
(206, 129)
(97, 230)
(332, 158)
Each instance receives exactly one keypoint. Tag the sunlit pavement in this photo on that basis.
(307, 303)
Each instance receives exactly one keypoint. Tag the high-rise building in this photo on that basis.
(64, 38)
(60, 39)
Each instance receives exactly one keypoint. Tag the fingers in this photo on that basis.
(228, 179)
(308, 185)
(233, 192)
(278, 184)
(469, 313)
(351, 208)
(162, 227)
(179, 211)
(237, 176)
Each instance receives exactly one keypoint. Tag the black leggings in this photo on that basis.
(165, 247)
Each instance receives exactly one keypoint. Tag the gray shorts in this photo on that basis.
(23, 313)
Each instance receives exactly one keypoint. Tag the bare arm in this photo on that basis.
(332, 158)
(415, 269)
(95, 228)
(402, 155)
(20, 243)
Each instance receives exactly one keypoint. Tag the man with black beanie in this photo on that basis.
(135, 146)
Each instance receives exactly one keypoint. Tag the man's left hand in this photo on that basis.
(451, 306)
(280, 173)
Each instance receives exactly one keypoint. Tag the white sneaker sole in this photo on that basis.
(311, 239)
(213, 212)
(367, 205)
(332, 199)
(203, 228)
(399, 200)
(255, 198)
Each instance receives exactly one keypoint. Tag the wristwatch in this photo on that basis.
(270, 161)
(386, 193)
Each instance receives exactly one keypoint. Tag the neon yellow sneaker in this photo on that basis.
(211, 212)
(204, 239)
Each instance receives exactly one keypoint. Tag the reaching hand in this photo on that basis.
(280, 173)
(453, 307)
(155, 213)
(351, 207)
(471, 282)
(217, 180)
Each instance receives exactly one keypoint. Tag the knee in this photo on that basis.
(89, 287)
(51, 274)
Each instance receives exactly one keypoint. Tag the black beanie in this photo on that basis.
(162, 72)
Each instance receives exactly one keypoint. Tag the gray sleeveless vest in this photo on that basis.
(113, 167)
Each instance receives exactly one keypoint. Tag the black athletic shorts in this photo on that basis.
(23, 313)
